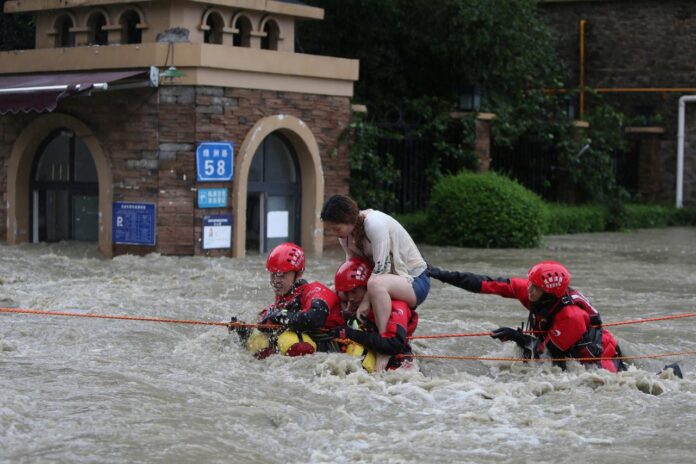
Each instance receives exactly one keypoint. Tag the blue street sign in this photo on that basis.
(212, 198)
(214, 161)
(134, 223)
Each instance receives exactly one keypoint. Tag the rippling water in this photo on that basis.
(94, 390)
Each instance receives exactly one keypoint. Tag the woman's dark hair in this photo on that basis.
(342, 209)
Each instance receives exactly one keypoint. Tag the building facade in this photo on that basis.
(640, 56)
(109, 127)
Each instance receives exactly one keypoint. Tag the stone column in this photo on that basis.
(482, 145)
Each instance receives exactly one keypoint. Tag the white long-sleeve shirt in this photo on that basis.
(389, 245)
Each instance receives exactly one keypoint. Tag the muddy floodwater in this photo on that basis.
(79, 390)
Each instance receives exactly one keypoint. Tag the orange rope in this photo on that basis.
(650, 319)
(274, 326)
(136, 318)
(471, 334)
(483, 358)
(609, 324)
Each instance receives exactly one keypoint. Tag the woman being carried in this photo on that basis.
(399, 271)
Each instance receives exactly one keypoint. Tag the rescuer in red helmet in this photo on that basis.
(351, 280)
(568, 325)
(304, 310)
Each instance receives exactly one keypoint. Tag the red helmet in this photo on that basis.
(551, 277)
(286, 257)
(353, 273)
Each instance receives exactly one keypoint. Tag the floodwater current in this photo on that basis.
(79, 390)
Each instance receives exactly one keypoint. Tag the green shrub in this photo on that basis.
(484, 210)
(648, 216)
(416, 224)
(685, 217)
(574, 219)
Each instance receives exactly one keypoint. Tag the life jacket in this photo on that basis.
(306, 296)
(592, 343)
(579, 300)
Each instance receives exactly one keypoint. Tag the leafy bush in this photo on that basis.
(685, 217)
(484, 210)
(574, 219)
(647, 216)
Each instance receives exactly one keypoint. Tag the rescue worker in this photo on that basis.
(351, 280)
(304, 310)
(568, 325)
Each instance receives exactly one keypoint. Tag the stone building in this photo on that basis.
(107, 127)
(641, 56)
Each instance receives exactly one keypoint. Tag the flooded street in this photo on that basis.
(82, 390)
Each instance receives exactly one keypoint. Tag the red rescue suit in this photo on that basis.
(566, 323)
(308, 307)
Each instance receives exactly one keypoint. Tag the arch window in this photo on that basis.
(272, 35)
(65, 191)
(274, 195)
(242, 38)
(97, 34)
(213, 32)
(130, 32)
(64, 36)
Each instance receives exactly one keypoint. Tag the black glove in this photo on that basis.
(243, 332)
(342, 331)
(507, 333)
(433, 271)
(276, 316)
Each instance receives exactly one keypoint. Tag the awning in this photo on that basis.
(42, 92)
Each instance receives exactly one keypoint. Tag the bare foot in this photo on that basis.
(381, 362)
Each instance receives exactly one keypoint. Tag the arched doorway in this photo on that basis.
(274, 192)
(64, 191)
(303, 145)
(27, 146)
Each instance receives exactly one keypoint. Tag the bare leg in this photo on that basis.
(382, 289)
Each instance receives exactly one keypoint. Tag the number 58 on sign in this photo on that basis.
(214, 161)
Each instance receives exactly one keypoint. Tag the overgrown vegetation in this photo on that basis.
(16, 30)
(416, 56)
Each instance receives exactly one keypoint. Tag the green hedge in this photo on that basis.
(484, 210)
(488, 210)
(571, 219)
(416, 224)
(574, 219)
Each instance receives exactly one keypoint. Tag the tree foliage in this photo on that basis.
(16, 30)
(418, 55)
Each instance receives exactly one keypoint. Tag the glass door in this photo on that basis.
(273, 202)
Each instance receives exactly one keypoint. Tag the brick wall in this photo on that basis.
(631, 44)
(150, 137)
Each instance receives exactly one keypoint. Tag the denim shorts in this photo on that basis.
(421, 286)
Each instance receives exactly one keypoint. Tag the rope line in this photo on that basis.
(274, 326)
(485, 358)
(609, 324)
(136, 318)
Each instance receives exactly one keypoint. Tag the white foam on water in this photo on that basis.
(94, 390)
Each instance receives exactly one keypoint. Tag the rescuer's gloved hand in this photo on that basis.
(515, 335)
(243, 332)
(275, 316)
(341, 331)
(433, 271)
